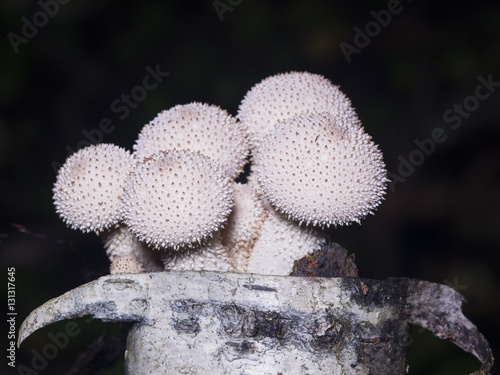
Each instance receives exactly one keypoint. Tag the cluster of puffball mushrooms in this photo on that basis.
(173, 203)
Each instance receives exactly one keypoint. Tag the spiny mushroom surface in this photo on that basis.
(210, 256)
(176, 198)
(286, 95)
(127, 254)
(312, 163)
(280, 243)
(316, 169)
(126, 264)
(197, 127)
(244, 225)
(89, 187)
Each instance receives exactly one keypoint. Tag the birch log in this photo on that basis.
(231, 323)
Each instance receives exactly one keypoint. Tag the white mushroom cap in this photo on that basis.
(286, 95)
(176, 198)
(212, 256)
(244, 225)
(89, 186)
(197, 127)
(281, 242)
(317, 170)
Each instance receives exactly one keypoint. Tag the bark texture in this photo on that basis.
(230, 323)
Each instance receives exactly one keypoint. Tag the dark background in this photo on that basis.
(440, 224)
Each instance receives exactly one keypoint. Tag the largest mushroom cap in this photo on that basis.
(286, 95)
(197, 127)
(319, 170)
(88, 189)
(176, 198)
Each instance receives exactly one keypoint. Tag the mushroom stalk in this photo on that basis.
(127, 254)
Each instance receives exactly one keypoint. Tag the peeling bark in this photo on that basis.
(332, 260)
(230, 323)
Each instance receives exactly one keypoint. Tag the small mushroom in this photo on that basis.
(88, 196)
(197, 127)
(175, 199)
(319, 170)
(286, 95)
(88, 189)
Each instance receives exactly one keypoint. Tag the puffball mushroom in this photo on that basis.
(88, 196)
(88, 189)
(176, 198)
(197, 127)
(318, 170)
(286, 95)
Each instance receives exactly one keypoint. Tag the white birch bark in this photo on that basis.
(229, 323)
